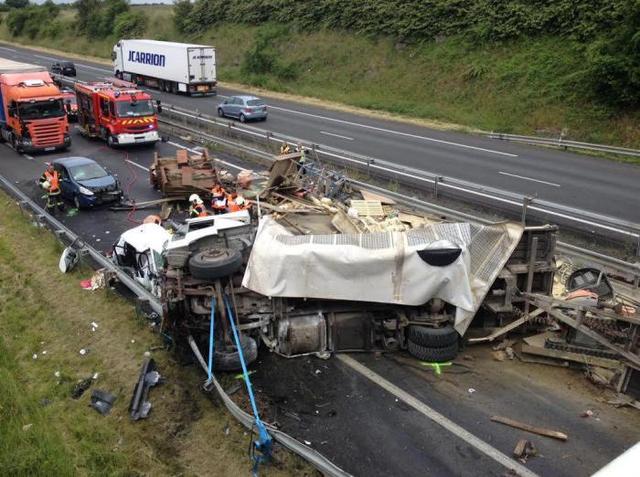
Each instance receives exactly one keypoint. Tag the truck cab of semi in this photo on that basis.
(32, 114)
(116, 112)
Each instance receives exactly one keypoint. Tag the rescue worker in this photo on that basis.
(218, 199)
(197, 208)
(236, 203)
(285, 149)
(50, 182)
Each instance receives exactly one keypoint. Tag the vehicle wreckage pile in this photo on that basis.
(317, 267)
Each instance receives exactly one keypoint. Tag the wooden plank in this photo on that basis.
(182, 158)
(368, 207)
(541, 431)
(368, 195)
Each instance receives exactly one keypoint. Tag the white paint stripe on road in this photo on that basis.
(137, 165)
(391, 131)
(180, 146)
(528, 179)
(50, 58)
(78, 65)
(438, 418)
(336, 135)
(7, 49)
(28, 157)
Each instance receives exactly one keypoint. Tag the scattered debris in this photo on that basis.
(26, 427)
(35, 356)
(529, 428)
(81, 387)
(622, 400)
(83, 351)
(587, 413)
(524, 449)
(471, 390)
(99, 279)
(102, 401)
(68, 259)
(499, 355)
(140, 406)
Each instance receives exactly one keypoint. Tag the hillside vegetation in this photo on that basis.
(533, 67)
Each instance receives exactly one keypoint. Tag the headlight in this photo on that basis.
(85, 191)
(26, 141)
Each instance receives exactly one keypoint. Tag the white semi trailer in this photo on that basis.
(166, 65)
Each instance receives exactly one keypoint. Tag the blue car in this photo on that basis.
(85, 182)
(245, 108)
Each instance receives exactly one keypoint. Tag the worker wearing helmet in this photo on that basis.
(285, 149)
(50, 182)
(218, 199)
(196, 208)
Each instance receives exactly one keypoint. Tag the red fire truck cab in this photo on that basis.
(116, 112)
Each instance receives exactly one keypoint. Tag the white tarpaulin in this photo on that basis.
(382, 267)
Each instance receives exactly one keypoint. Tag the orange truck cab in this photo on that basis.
(116, 112)
(32, 113)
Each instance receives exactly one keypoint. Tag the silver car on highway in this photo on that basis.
(244, 108)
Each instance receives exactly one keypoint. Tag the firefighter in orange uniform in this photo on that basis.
(196, 208)
(50, 182)
(236, 203)
(218, 199)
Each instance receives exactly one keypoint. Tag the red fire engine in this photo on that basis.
(117, 112)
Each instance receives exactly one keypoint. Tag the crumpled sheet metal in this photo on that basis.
(382, 267)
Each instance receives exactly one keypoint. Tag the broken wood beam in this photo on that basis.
(529, 428)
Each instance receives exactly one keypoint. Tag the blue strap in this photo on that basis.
(264, 443)
(211, 339)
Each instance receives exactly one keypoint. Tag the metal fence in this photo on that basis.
(562, 143)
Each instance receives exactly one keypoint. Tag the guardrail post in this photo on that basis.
(526, 201)
(435, 186)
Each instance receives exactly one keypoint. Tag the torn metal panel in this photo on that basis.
(382, 267)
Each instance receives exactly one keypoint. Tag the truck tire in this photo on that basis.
(433, 355)
(212, 264)
(110, 141)
(432, 337)
(228, 358)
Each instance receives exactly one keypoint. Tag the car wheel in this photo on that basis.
(212, 264)
(76, 202)
(243, 118)
(227, 358)
(220, 112)
(431, 354)
(432, 337)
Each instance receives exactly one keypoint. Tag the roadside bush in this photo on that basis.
(181, 11)
(97, 18)
(130, 25)
(263, 57)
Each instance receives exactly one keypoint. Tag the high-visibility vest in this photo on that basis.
(198, 211)
(54, 180)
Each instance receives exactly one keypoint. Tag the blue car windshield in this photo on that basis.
(87, 171)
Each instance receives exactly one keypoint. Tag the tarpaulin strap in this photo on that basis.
(261, 450)
(211, 338)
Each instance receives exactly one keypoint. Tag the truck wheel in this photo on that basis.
(220, 113)
(228, 359)
(432, 337)
(433, 355)
(243, 118)
(212, 264)
(110, 140)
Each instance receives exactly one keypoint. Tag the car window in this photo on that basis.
(255, 102)
(87, 171)
(237, 100)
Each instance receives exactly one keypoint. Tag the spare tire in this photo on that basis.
(215, 263)
(432, 337)
(433, 355)
(227, 358)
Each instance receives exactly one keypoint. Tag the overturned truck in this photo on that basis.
(291, 281)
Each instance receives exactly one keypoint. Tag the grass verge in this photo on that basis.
(45, 320)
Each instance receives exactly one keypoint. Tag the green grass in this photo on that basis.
(531, 86)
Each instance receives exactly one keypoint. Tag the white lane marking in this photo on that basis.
(180, 146)
(399, 133)
(8, 49)
(528, 179)
(137, 165)
(51, 58)
(438, 418)
(28, 157)
(336, 135)
(78, 65)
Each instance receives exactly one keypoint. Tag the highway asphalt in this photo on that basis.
(597, 185)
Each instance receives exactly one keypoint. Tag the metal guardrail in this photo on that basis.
(312, 456)
(565, 144)
(516, 204)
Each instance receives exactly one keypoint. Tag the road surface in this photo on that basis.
(596, 185)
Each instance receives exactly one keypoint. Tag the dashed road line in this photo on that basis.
(438, 418)
(553, 184)
(336, 135)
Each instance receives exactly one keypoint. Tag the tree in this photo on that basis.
(181, 11)
(16, 3)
